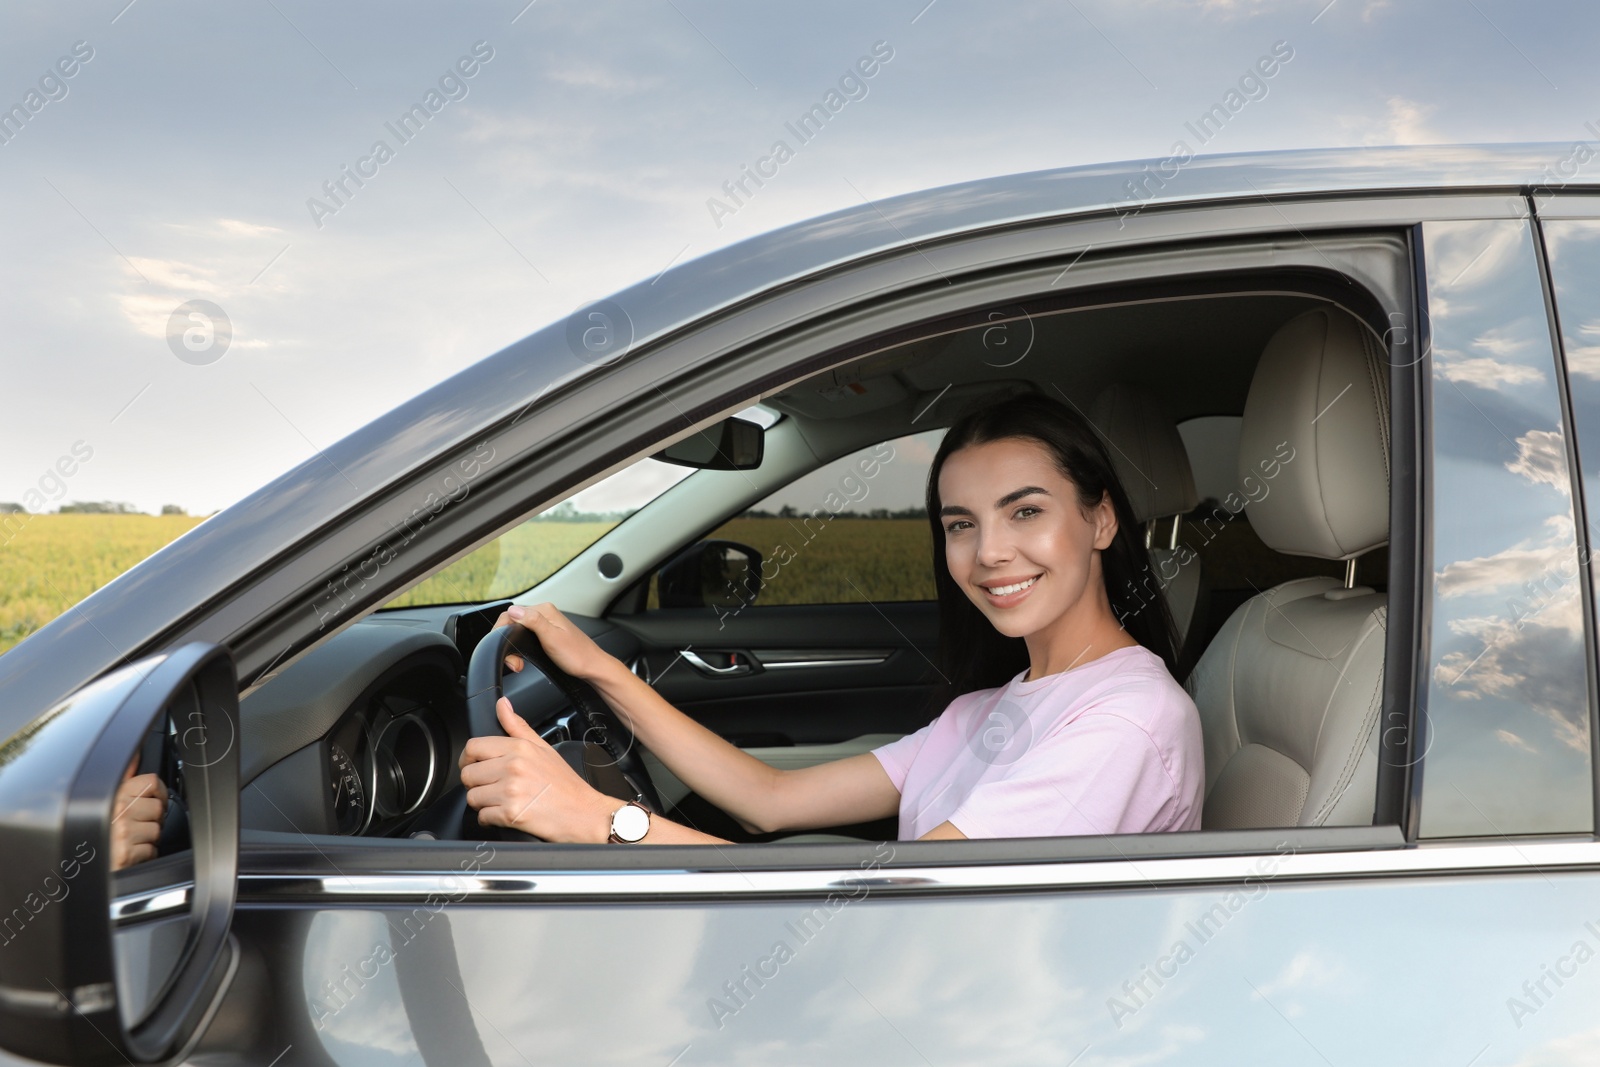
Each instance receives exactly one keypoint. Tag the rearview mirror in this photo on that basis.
(734, 444)
(116, 967)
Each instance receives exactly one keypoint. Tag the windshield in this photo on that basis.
(521, 558)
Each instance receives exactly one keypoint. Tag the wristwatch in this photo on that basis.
(629, 824)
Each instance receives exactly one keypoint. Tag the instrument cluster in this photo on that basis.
(390, 756)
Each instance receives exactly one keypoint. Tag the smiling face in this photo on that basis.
(1020, 545)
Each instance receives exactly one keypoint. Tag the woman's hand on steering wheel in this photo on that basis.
(567, 646)
(520, 782)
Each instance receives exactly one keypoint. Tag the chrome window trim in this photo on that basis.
(1178, 871)
(1565, 204)
(533, 885)
(656, 885)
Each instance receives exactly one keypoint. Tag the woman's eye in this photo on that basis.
(952, 527)
(1026, 507)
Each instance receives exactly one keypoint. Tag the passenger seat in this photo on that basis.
(1153, 466)
(1291, 689)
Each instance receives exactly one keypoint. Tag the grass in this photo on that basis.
(840, 561)
(50, 562)
(523, 557)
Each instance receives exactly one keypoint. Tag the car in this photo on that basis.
(1355, 396)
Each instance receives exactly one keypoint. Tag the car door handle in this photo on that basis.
(712, 670)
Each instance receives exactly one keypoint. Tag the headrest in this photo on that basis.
(1317, 419)
(1149, 457)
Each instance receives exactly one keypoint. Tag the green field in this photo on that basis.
(521, 558)
(843, 561)
(50, 562)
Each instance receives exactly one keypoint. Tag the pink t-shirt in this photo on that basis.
(1109, 747)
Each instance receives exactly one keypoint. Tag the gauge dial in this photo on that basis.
(349, 794)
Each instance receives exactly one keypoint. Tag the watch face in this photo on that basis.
(630, 823)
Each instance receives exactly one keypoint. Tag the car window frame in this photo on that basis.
(1544, 206)
(554, 429)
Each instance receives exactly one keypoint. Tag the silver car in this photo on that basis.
(1350, 392)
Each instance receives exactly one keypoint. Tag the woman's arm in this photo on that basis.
(520, 781)
(762, 798)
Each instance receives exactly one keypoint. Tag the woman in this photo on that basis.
(1063, 716)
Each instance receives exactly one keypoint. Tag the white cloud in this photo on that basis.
(1542, 457)
(593, 76)
(1496, 343)
(1407, 123)
(1552, 558)
(1584, 361)
(1523, 650)
(1471, 254)
(172, 274)
(1508, 738)
(1402, 121)
(1307, 969)
(238, 228)
(1487, 373)
(632, 487)
(1530, 658)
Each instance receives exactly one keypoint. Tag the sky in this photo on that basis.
(184, 160)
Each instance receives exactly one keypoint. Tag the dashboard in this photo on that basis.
(361, 736)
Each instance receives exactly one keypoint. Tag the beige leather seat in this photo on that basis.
(1290, 691)
(1153, 466)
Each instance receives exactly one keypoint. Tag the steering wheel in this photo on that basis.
(606, 756)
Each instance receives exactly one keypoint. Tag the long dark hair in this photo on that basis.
(972, 653)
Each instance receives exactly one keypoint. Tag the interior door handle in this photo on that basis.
(703, 667)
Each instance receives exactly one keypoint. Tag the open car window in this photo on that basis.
(871, 504)
(1081, 347)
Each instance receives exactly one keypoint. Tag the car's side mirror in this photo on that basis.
(710, 574)
(115, 967)
(734, 444)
